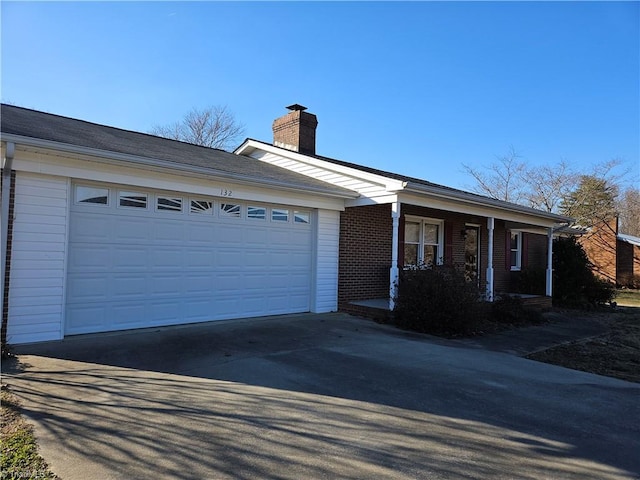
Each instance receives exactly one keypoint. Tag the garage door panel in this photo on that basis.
(133, 268)
(86, 318)
(88, 288)
(126, 315)
(83, 257)
(128, 230)
(199, 233)
(230, 235)
(129, 287)
(163, 258)
(166, 231)
(128, 258)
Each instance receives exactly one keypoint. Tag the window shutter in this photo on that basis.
(448, 243)
(507, 250)
(525, 249)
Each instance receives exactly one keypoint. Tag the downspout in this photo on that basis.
(4, 220)
(394, 272)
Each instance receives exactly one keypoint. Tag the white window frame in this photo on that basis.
(518, 266)
(131, 193)
(77, 187)
(201, 212)
(428, 221)
(165, 208)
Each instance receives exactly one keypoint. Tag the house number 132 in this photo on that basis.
(225, 193)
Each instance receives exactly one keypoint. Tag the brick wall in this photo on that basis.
(365, 249)
(600, 245)
(365, 253)
(628, 265)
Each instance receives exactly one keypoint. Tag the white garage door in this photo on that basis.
(141, 258)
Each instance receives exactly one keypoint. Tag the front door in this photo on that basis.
(472, 253)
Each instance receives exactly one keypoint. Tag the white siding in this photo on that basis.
(36, 295)
(326, 268)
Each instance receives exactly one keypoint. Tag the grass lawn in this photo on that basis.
(20, 459)
(628, 297)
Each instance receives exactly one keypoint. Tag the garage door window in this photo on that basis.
(229, 210)
(259, 213)
(279, 215)
(301, 217)
(201, 206)
(169, 204)
(95, 195)
(133, 199)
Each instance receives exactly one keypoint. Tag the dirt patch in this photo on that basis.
(615, 353)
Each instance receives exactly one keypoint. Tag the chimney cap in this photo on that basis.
(296, 107)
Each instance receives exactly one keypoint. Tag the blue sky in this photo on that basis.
(418, 88)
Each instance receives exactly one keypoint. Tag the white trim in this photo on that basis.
(518, 266)
(394, 273)
(428, 221)
(490, 240)
(114, 158)
(159, 179)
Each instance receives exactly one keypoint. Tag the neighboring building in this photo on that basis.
(615, 256)
(106, 229)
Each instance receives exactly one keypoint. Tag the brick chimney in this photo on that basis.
(296, 130)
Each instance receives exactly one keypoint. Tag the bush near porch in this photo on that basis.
(437, 300)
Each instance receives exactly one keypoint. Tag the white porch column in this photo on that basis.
(549, 283)
(394, 273)
(490, 227)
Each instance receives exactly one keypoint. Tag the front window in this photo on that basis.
(516, 250)
(422, 242)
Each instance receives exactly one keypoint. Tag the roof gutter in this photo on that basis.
(189, 170)
(4, 219)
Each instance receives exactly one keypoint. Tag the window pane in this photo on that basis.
(430, 255)
(411, 232)
(301, 217)
(92, 195)
(229, 210)
(279, 215)
(514, 258)
(170, 204)
(410, 254)
(257, 212)
(201, 206)
(514, 241)
(431, 234)
(133, 199)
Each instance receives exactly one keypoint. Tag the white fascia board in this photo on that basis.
(475, 208)
(390, 184)
(106, 156)
(36, 160)
(546, 218)
(377, 200)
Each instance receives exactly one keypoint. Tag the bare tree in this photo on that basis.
(213, 127)
(547, 185)
(629, 211)
(504, 179)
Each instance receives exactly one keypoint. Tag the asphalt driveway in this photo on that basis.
(318, 396)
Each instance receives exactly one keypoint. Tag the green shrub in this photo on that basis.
(510, 309)
(531, 281)
(436, 300)
(574, 283)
